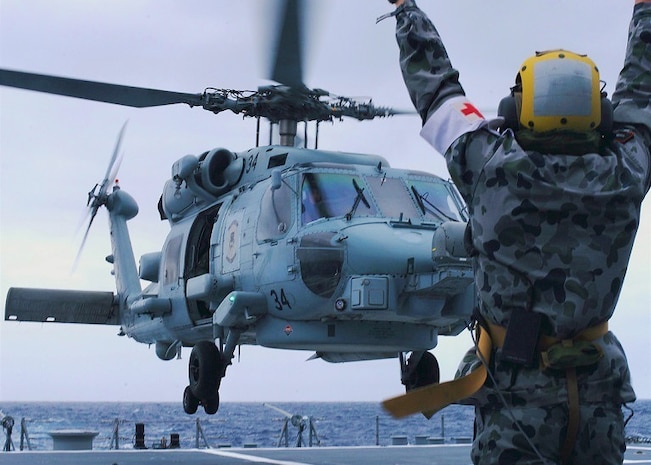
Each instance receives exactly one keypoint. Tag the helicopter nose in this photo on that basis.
(420, 274)
(380, 249)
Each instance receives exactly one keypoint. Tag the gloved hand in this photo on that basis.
(397, 4)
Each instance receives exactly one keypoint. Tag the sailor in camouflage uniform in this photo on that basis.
(554, 207)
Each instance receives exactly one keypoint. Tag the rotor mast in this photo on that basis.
(287, 131)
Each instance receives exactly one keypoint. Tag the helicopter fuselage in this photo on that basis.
(332, 252)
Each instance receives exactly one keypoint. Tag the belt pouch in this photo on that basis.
(521, 338)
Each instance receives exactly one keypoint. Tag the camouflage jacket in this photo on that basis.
(552, 233)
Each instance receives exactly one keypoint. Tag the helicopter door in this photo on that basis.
(197, 258)
(275, 220)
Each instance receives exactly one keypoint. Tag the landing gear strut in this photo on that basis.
(205, 372)
(206, 369)
(421, 369)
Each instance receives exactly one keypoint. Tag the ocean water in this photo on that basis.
(252, 424)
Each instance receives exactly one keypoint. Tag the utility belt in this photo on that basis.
(559, 354)
(554, 354)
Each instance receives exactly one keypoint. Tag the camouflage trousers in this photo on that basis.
(498, 441)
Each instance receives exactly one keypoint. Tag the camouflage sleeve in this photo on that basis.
(450, 120)
(426, 68)
(632, 96)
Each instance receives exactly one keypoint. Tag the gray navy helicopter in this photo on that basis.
(280, 246)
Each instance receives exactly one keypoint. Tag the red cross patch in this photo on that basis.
(469, 111)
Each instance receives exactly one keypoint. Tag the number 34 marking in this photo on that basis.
(280, 300)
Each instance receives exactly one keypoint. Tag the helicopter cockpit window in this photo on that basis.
(275, 213)
(435, 200)
(321, 260)
(393, 197)
(328, 195)
(172, 260)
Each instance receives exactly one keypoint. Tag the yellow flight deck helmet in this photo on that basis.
(557, 90)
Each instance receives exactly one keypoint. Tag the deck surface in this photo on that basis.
(448, 454)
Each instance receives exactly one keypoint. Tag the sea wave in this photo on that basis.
(251, 424)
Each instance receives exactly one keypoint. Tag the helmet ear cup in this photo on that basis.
(606, 125)
(508, 109)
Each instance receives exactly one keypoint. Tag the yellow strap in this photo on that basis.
(430, 399)
(573, 414)
(592, 333)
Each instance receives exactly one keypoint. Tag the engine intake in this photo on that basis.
(199, 179)
(219, 169)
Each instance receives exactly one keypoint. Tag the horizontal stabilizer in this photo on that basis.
(61, 306)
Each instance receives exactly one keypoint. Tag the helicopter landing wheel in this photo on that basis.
(211, 404)
(190, 402)
(205, 369)
(425, 372)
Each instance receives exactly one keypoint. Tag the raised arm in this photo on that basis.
(632, 97)
(426, 68)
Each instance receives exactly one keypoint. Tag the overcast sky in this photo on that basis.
(54, 149)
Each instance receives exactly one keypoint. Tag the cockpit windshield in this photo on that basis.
(327, 195)
(393, 197)
(435, 200)
(422, 198)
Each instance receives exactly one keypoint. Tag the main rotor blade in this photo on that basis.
(138, 97)
(288, 63)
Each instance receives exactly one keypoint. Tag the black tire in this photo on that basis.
(190, 402)
(205, 369)
(426, 372)
(211, 404)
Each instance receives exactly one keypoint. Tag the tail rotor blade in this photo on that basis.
(92, 215)
(116, 160)
(97, 197)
